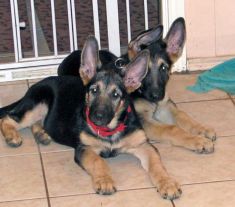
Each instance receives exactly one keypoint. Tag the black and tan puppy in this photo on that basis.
(94, 115)
(161, 118)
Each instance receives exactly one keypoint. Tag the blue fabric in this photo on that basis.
(221, 77)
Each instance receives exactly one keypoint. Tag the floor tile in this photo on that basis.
(133, 198)
(217, 114)
(26, 203)
(21, 178)
(177, 89)
(28, 146)
(20, 82)
(208, 195)
(64, 177)
(189, 167)
(11, 93)
(54, 147)
(33, 81)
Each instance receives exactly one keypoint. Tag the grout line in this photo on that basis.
(27, 199)
(56, 151)
(20, 154)
(173, 204)
(93, 193)
(230, 97)
(44, 178)
(196, 101)
(209, 182)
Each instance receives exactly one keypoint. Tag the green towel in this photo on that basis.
(221, 77)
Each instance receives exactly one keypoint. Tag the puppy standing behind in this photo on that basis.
(94, 115)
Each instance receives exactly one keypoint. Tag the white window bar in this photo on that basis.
(96, 20)
(74, 25)
(146, 14)
(33, 62)
(54, 27)
(35, 43)
(14, 31)
(165, 16)
(18, 30)
(113, 26)
(69, 9)
(128, 20)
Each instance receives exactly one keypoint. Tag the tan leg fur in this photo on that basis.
(99, 171)
(40, 134)
(155, 130)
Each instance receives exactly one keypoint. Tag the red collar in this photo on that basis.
(105, 131)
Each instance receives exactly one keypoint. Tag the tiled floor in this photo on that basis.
(41, 176)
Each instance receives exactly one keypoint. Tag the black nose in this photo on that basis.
(154, 95)
(99, 115)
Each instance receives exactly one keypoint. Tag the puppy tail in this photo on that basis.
(6, 109)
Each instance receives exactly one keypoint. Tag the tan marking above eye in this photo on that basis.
(161, 61)
(112, 88)
(97, 86)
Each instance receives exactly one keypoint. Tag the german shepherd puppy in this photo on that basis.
(160, 117)
(94, 115)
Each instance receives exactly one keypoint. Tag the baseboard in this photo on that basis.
(27, 73)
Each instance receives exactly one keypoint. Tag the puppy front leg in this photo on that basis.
(97, 168)
(184, 121)
(177, 136)
(151, 162)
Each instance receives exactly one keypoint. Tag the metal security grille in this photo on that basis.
(43, 32)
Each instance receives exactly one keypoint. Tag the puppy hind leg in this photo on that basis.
(40, 134)
(23, 117)
(9, 129)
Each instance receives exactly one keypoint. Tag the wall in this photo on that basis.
(210, 28)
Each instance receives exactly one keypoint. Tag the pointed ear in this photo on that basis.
(144, 39)
(89, 60)
(175, 39)
(135, 71)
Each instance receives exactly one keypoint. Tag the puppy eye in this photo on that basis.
(164, 67)
(93, 90)
(115, 94)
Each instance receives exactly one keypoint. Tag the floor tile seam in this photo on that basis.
(203, 183)
(19, 155)
(44, 177)
(57, 151)
(24, 199)
(93, 193)
(199, 101)
(232, 99)
(208, 182)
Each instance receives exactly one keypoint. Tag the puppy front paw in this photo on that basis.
(169, 189)
(104, 185)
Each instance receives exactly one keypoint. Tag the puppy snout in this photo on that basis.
(99, 115)
(155, 95)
